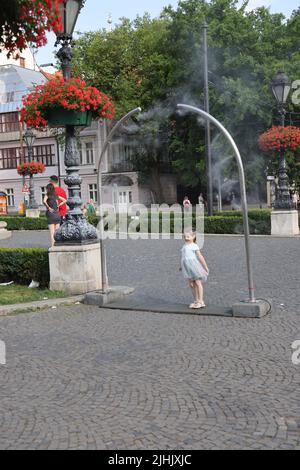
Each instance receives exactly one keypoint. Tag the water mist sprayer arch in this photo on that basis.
(238, 157)
(108, 141)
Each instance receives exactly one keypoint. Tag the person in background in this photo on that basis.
(201, 199)
(295, 200)
(91, 208)
(53, 202)
(61, 193)
(85, 210)
(186, 203)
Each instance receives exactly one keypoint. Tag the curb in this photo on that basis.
(6, 310)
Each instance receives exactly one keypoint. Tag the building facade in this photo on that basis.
(120, 184)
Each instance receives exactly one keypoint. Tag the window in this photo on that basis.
(10, 158)
(43, 194)
(89, 153)
(9, 122)
(125, 197)
(10, 197)
(80, 153)
(93, 192)
(22, 62)
(44, 154)
(7, 97)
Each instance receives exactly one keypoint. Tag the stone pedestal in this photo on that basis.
(33, 213)
(4, 234)
(285, 223)
(75, 269)
(257, 309)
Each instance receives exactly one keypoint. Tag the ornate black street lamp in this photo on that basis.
(29, 139)
(75, 229)
(281, 87)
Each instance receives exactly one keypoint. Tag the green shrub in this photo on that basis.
(93, 219)
(22, 265)
(235, 225)
(25, 223)
(223, 225)
(255, 214)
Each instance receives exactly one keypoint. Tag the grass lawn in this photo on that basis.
(15, 294)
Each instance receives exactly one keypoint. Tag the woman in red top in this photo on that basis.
(61, 193)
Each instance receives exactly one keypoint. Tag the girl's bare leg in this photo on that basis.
(56, 227)
(52, 230)
(193, 287)
(199, 291)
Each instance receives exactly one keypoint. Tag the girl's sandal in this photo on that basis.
(192, 305)
(197, 306)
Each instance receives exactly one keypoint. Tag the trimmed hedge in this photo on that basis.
(217, 224)
(25, 223)
(22, 265)
(226, 222)
(234, 226)
(255, 214)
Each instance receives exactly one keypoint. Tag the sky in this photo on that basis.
(96, 13)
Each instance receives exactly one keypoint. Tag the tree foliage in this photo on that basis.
(160, 61)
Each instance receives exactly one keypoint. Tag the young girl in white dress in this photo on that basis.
(194, 268)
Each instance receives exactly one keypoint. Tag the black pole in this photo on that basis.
(75, 229)
(283, 199)
(207, 125)
(32, 202)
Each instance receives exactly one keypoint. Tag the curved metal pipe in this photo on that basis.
(108, 141)
(243, 190)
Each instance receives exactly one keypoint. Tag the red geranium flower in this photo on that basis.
(32, 20)
(280, 137)
(31, 168)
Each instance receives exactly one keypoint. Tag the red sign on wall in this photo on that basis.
(25, 189)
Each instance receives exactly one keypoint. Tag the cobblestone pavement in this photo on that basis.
(82, 377)
(153, 267)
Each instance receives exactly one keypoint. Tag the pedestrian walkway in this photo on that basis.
(89, 378)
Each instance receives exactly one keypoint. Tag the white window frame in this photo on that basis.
(89, 152)
(43, 193)
(93, 192)
(10, 197)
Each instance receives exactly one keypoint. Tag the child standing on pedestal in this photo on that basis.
(194, 268)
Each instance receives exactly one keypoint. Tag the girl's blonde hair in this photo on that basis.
(192, 232)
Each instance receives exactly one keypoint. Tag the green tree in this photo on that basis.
(146, 62)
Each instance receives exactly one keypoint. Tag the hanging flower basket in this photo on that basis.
(59, 117)
(29, 22)
(30, 169)
(279, 137)
(59, 102)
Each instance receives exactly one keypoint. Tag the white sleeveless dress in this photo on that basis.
(191, 267)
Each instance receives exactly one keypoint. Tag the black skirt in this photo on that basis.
(53, 218)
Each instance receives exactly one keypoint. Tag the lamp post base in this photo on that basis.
(76, 230)
(285, 223)
(4, 233)
(75, 269)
